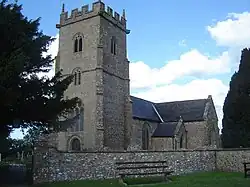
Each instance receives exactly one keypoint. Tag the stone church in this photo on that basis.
(93, 47)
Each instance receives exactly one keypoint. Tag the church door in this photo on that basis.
(75, 144)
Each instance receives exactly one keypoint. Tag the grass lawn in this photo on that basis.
(206, 179)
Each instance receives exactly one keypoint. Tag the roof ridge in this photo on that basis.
(181, 101)
(142, 99)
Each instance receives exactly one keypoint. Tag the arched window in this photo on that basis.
(81, 119)
(145, 137)
(77, 111)
(78, 42)
(72, 125)
(113, 45)
(181, 141)
(75, 145)
(175, 144)
(75, 45)
(77, 76)
(77, 124)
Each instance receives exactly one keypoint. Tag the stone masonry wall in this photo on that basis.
(196, 134)
(115, 84)
(136, 133)
(159, 144)
(86, 62)
(104, 88)
(232, 160)
(212, 121)
(51, 165)
(79, 166)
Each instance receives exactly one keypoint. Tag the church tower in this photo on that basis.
(93, 47)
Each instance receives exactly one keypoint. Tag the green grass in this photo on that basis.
(206, 179)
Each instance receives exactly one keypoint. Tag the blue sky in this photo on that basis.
(186, 49)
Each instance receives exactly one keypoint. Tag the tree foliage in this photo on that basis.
(33, 134)
(26, 99)
(236, 119)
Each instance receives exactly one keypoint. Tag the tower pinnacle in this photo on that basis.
(63, 8)
(124, 13)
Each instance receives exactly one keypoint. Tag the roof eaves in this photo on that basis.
(146, 119)
(162, 136)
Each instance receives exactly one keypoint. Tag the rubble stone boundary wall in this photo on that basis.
(51, 165)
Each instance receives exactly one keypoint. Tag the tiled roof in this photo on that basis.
(189, 110)
(143, 109)
(165, 129)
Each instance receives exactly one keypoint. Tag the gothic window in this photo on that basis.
(78, 43)
(71, 116)
(145, 137)
(175, 144)
(77, 76)
(75, 45)
(81, 119)
(181, 141)
(75, 144)
(78, 122)
(77, 112)
(113, 45)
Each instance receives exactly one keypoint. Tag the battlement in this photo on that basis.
(98, 8)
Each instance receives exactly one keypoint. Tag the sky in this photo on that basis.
(183, 49)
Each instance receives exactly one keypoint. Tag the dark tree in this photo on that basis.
(33, 134)
(27, 100)
(236, 119)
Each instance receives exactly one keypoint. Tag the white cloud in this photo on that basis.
(196, 89)
(189, 63)
(232, 32)
(53, 49)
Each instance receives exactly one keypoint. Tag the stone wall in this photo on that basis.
(104, 86)
(136, 133)
(231, 160)
(196, 134)
(57, 166)
(115, 84)
(159, 144)
(86, 61)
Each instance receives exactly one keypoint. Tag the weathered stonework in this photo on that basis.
(178, 141)
(204, 133)
(136, 136)
(51, 165)
(197, 134)
(104, 87)
(159, 144)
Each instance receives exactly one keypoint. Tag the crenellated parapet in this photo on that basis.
(98, 9)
